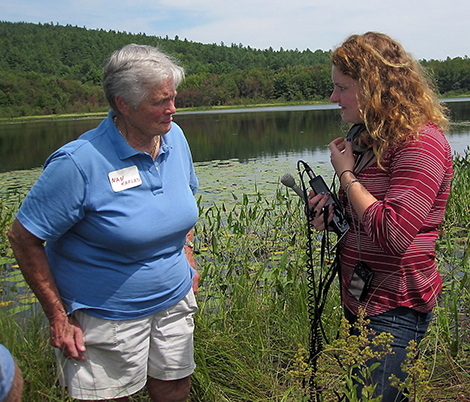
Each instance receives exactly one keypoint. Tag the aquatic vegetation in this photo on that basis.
(252, 331)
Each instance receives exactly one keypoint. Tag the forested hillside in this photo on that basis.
(55, 69)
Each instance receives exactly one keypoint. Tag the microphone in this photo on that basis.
(289, 181)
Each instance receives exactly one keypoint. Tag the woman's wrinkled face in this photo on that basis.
(153, 116)
(345, 95)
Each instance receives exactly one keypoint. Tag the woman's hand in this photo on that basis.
(65, 332)
(342, 159)
(196, 278)
(66, 335)
(316, 202)
(342, 156)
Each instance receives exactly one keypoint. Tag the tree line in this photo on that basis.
(55, 69)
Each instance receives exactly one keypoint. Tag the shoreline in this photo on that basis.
(265, 107)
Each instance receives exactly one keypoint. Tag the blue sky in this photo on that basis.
(429, 29)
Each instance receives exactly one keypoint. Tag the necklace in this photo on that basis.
(155, 145)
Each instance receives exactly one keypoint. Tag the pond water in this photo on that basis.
(233, 150)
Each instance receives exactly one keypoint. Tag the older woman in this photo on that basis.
(116, 277)
(395, 171)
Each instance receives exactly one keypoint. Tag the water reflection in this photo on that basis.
(242, 134)
(255, 135)
(27, 145)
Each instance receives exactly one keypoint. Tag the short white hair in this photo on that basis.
(134, 70)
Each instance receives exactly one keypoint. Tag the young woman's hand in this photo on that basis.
(316, 203)
(342, 156)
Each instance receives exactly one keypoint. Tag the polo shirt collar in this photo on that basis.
(123, 149)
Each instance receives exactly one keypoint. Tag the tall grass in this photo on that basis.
(8, 207)
(253, 327)
(252, 299)
(447, 346)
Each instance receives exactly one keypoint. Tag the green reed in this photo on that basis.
(453, 257)
(254, 317)
(8, 207)
(445, 348)
(252, 297)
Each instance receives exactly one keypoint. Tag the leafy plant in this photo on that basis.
(253, 314)
(346, 365)
(8, 207)
(416, 386)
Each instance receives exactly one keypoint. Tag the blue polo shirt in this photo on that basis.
(115, 222)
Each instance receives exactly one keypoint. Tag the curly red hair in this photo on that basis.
(396, 97)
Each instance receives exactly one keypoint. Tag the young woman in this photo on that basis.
(395, 170)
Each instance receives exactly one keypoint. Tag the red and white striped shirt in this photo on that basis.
(398, 233)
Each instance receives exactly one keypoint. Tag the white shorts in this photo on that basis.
(120, 355)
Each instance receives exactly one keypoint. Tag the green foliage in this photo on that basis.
(26, 94)
(452, 76)
(457, 215)
(8, 208)
(448, 341)
(73, 52)
(345, 362)
(416, 386)
(453, 248)
(27, 338)
(253, 314)
(54, 69)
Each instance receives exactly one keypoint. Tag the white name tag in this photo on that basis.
(125, 178)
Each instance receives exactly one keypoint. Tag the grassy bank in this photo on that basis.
(103, 114)
(253, 324)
